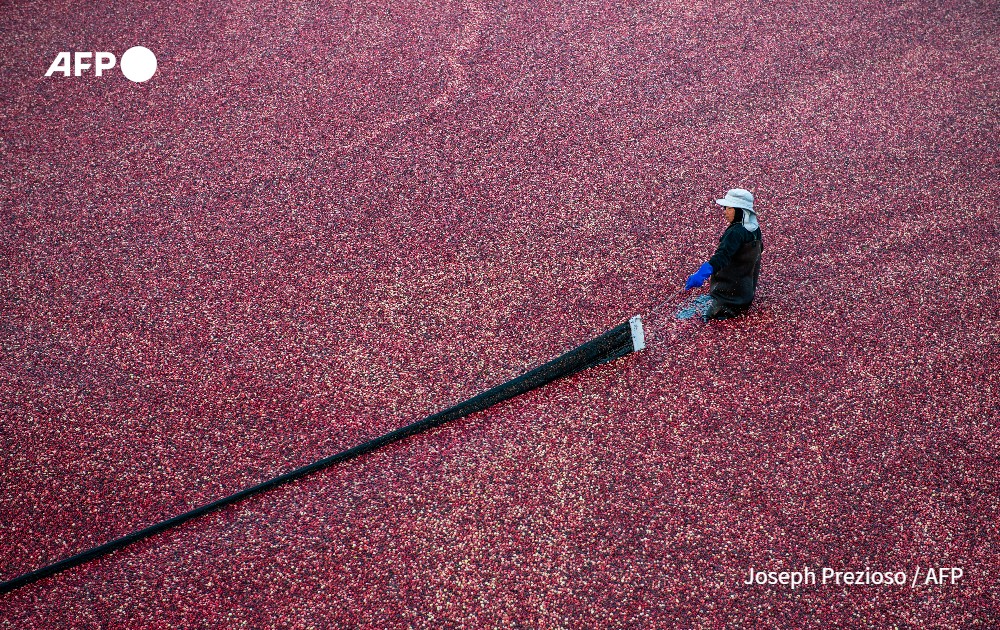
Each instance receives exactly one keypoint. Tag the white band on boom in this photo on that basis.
(638, 336)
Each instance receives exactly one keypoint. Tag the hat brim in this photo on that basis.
(734, 203)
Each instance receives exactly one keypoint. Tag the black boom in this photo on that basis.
(617, 342)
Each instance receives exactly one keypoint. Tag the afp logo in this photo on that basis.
(138, 64)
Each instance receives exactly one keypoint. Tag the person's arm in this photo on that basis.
(731, 242)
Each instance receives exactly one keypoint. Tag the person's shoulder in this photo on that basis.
(740, 231)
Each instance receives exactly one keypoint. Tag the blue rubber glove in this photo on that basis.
(698, 278)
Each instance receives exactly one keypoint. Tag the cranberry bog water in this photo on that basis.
(316, 222)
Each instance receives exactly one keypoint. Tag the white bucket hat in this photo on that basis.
(737, 198)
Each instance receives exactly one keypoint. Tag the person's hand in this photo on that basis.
(698, 278)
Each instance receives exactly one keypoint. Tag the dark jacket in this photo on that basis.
(736, 266)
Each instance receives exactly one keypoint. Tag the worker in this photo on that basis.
(734, 268)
